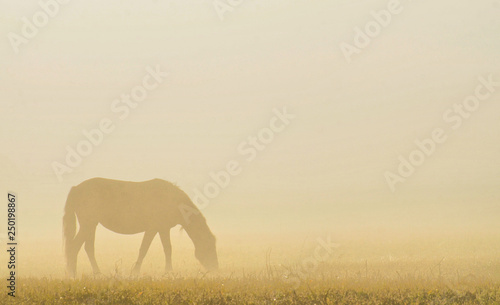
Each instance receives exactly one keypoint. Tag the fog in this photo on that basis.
(226, 78)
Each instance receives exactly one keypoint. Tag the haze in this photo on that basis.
(323, 173)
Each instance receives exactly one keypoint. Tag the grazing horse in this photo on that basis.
(153, 206)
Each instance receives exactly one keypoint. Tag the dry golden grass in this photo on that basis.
(250, 290)
(423, 269)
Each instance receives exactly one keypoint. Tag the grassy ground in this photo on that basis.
(456, 269)
(247, 291)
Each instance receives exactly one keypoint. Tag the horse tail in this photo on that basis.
(69, 222)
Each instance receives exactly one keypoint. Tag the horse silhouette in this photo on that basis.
(152, 207)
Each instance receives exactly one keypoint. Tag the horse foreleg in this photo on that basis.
(146, 242)
(167, 248)
(90, 249)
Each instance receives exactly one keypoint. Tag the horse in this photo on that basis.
(126, 207)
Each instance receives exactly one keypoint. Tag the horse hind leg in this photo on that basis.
(90, 248)
(74, 248)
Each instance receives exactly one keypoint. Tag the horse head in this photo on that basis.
(205, 251)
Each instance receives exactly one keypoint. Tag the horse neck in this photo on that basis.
(198, 230)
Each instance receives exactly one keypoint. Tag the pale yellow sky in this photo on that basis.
(226, 77)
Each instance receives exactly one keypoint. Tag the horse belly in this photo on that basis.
(131, 228)
(126, 219)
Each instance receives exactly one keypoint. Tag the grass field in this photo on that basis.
(423, 269)
(251, 290)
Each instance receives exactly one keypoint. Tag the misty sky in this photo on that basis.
(324, 171)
